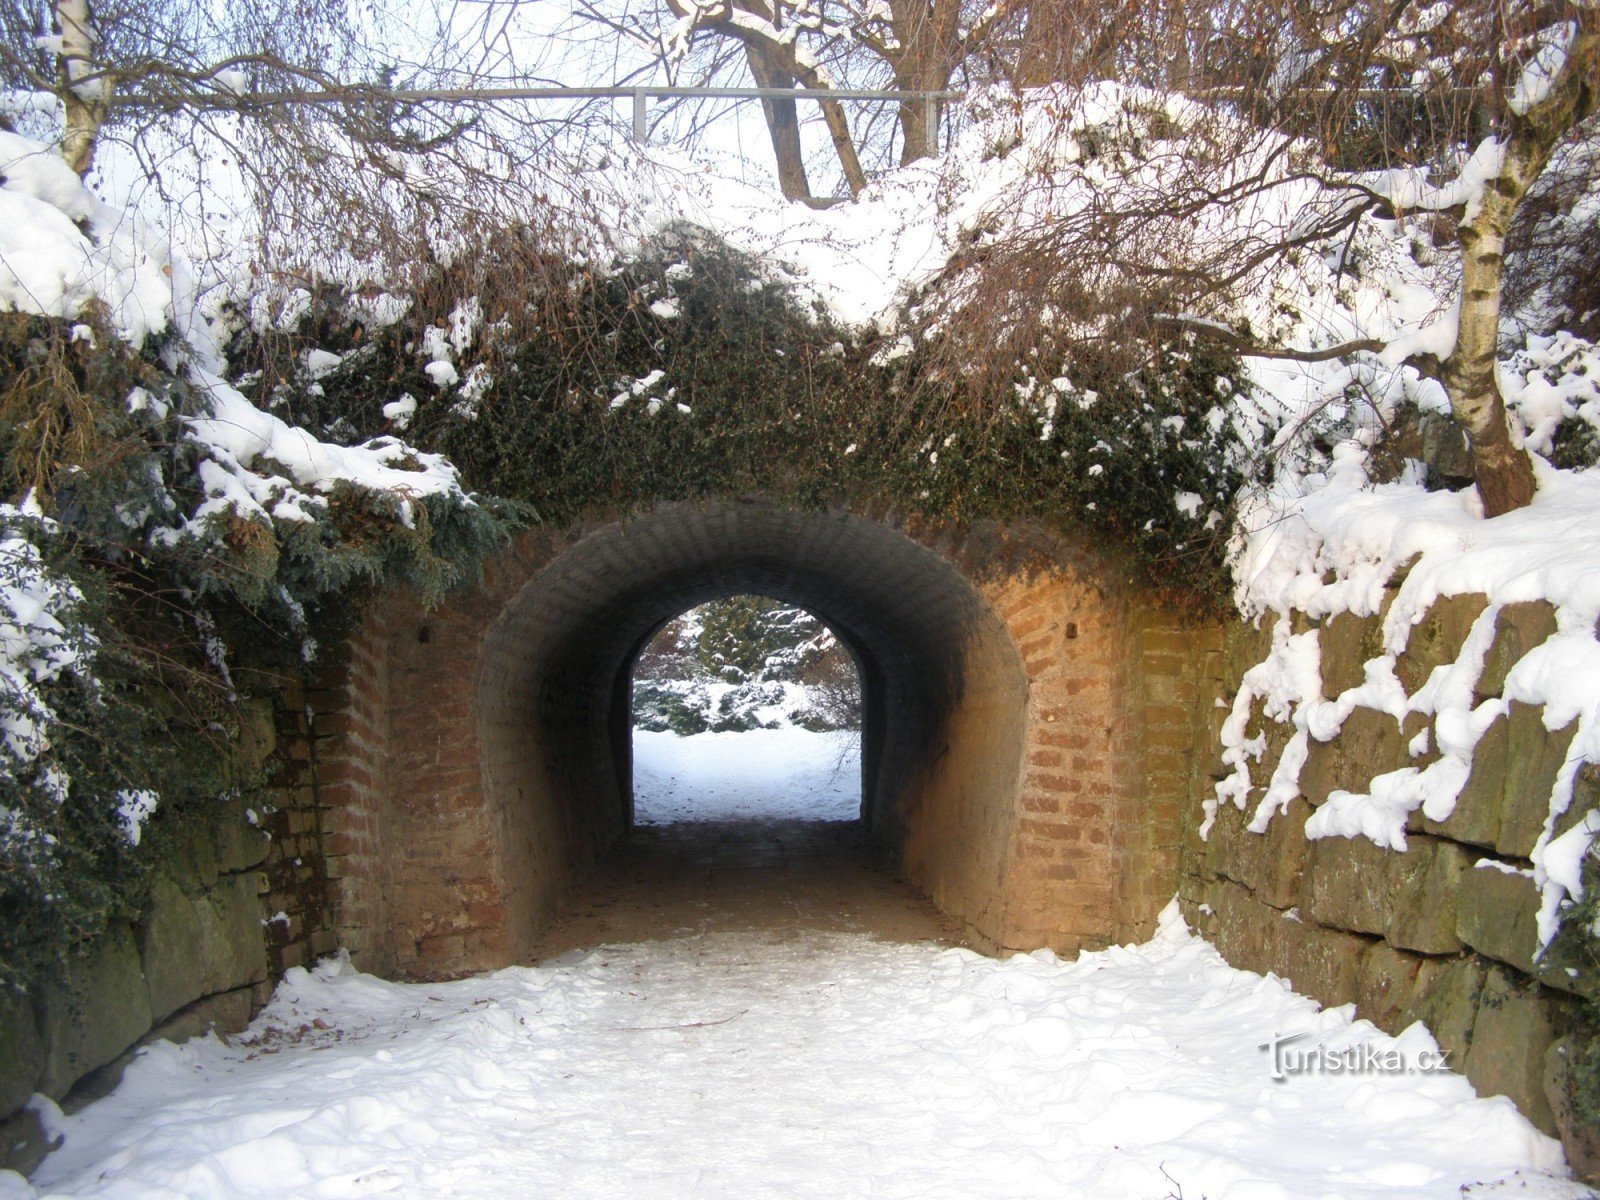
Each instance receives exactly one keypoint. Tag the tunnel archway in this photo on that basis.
(1019, 709)
(944, 692)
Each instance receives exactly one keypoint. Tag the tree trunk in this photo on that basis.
(1502, 470)
(919, 133)
(783, 122)
(929, 33)
(83, 99)
(844, 145)
(781, 59)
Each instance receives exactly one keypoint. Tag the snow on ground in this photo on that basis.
(769, 773)
(766, 1065)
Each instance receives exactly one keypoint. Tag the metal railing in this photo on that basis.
(641, 96)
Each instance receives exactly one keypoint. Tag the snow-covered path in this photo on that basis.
(764, 773)
(765, 1031)
(753, 1065)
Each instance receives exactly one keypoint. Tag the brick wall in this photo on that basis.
(471, 761)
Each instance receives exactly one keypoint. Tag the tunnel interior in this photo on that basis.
(944, 695)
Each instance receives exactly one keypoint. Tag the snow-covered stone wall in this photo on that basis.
(240, 899)
(1432, 916)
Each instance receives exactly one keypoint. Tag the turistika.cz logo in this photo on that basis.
(1290, 1058)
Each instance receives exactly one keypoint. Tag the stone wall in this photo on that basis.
(239, 898)
(1443, 931)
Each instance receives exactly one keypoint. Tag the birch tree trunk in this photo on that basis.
(1502, 469)
(83, 97)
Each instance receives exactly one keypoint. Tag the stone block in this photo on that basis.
(1425, 884)
(240, 846)
(1514, 1029)
(1585, 797)
(1221, 847)
(1192, 851)
(1247, 646)
(1388, 984)
(1369, 744)
(1517, 629)
(1578, 1129)
(256, 738)
(194, 946)
(101, 1008)
(1324, 964)
(21, 1051)
(1436, 639)
(191, 860)
(1347, 642)
(23, 1143)
(1270, 864)
(1476, 816)
(1446, 1001)
(224, 1013)
(1534, 756)
(1407, 897)
(1248, 933)
(1348, 884)
(1320, 773)
(1497, 913)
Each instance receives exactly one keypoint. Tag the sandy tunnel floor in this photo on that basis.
(744, 832)
(748, 1010)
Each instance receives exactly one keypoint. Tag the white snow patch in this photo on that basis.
(133, 810)
(751, 1066)
(778, 773)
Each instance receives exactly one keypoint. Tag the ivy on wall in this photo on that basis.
(695, 373)
(130, 623)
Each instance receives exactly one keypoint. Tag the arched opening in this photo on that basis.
(745, 709)
(944, 693)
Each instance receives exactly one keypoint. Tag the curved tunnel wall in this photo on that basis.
(937, 666)
(1026, 725)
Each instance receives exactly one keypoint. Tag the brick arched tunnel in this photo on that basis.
(475, 760)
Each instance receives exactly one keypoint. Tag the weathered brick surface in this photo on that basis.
(1027, 743)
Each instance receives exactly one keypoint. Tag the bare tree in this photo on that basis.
(822, 46)
(283, 113)
(1356, 111)
(776, 58)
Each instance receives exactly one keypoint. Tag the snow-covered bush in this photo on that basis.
(171, 531)
(694, 370)
(746, 662)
